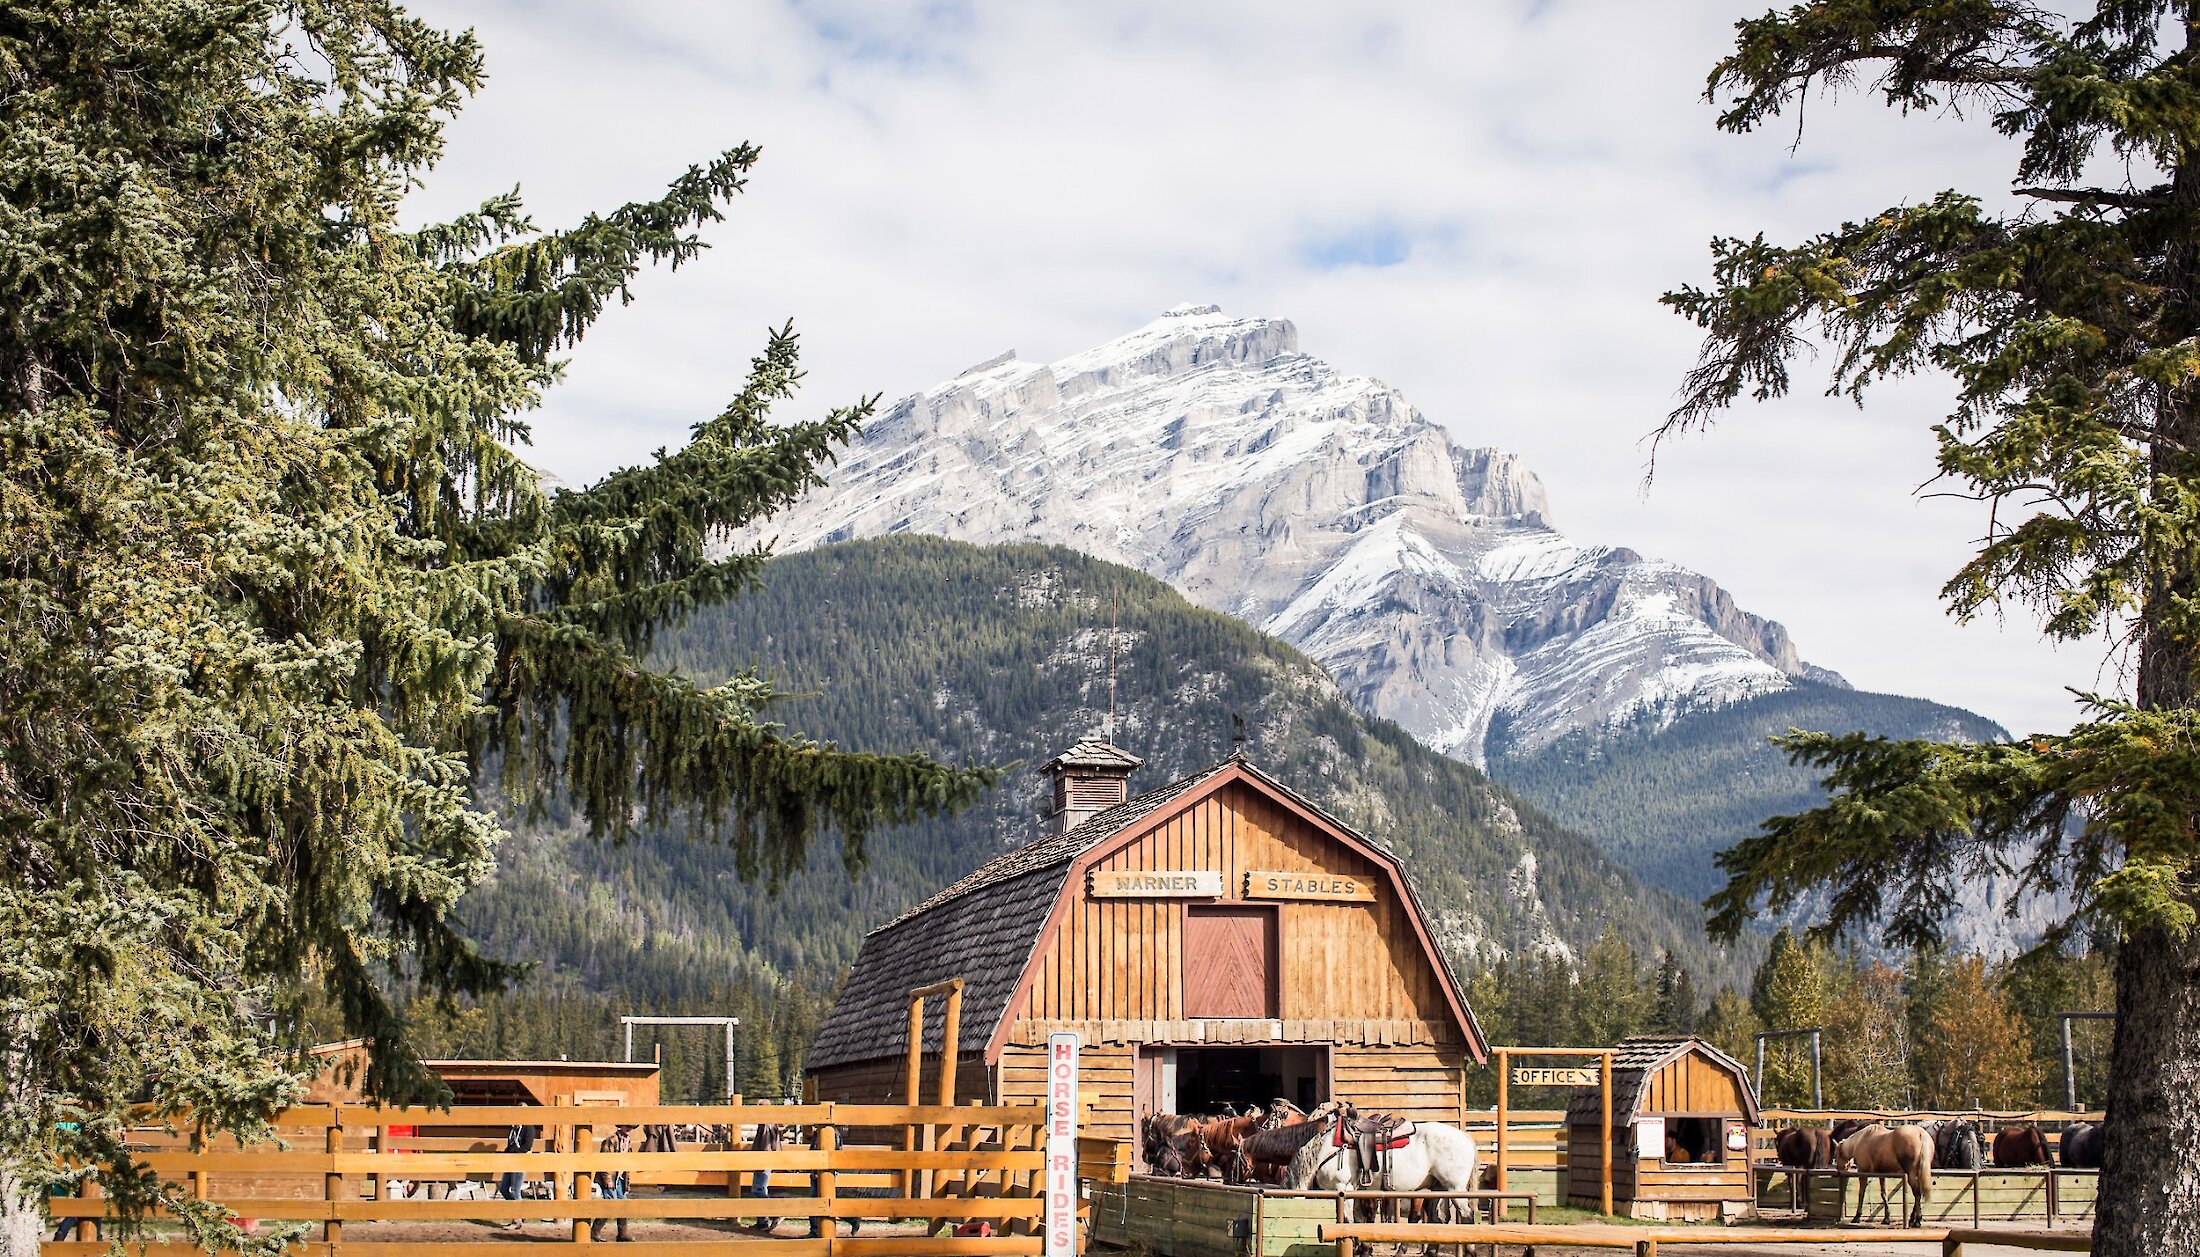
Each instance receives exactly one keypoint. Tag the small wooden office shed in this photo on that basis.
(1682, 1112)
(1220, 940)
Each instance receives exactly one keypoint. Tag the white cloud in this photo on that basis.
(1478, 203)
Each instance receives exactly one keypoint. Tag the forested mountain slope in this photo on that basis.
(1001, 655)
(1664, 799)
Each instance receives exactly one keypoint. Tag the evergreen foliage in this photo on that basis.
(1001, 654)
(1665, 799)
(1673, 1009)
(2070, 330)
(279, 586)
(1789, 993)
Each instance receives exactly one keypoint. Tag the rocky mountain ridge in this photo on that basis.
(1320, 506)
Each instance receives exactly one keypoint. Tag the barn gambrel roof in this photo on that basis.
(1632, 1065)
(988, 939)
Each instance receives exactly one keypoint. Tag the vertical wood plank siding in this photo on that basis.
(1121, 959)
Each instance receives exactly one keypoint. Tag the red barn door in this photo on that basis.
(1229, 961)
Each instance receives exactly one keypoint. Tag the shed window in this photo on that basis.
(1229, 961)
(1694, 1140)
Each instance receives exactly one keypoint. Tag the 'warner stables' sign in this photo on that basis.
(1207, 884)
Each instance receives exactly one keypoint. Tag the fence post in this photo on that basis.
(583, 1141)
(1504, 1076)
(828, 1186)
(332, 1184)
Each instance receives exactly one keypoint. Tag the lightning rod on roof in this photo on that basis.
(1113, 601)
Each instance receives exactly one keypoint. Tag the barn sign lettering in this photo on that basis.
(1156, 883)
(1276, 885)
(1557, 1078)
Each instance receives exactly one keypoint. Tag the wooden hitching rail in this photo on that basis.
(1645, 1240)
(986, 1165)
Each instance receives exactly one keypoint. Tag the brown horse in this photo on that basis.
(1805, 1148)
(1214, 1143)
(1904, 1150)
(2019, 1146)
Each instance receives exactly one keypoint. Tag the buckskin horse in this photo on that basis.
(1904, 1150)
(1400, 1156)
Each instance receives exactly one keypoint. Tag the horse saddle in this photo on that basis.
(1373, 1137)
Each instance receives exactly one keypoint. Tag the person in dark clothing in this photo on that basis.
(512, 1185)
(610, 1184)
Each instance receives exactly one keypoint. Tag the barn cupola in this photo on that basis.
(1089, 778)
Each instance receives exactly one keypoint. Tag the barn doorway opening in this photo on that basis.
(1219, 1079)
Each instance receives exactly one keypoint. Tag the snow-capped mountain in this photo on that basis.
(1320, 506)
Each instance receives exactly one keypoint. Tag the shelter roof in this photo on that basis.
(1633, 1064)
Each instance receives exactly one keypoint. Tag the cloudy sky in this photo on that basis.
(1476, 202)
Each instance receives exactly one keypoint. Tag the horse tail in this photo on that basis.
(1921, 1178)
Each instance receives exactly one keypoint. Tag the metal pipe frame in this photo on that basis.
(628, 1024)
(1817, 1061)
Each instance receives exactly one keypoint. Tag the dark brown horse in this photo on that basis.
(1805, 1148)
(1213, 1144)
(2016, 1146)
(2081, 1145)
(1160, 1139)
(1263, 1155)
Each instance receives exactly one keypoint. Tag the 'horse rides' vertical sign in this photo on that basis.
(1061, 1145)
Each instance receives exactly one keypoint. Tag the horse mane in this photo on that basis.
(1300, 1173)
(1280, 1144)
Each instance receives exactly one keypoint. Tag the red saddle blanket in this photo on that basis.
(1400, 1136)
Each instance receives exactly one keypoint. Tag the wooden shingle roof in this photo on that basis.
(986, 927)
(1633, 1064)
(983, 939)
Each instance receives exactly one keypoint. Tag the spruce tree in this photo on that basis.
(281, 594)
(2068, 324)
(1610, 1002)
(1673, 1010)
(1789, 993)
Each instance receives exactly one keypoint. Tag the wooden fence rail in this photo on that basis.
(1349, 1237)
(334, 1166)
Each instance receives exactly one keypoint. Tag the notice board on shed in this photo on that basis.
(1229, 961)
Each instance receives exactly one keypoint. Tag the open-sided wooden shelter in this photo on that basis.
(342, 1069)
(1219, 940)
(1682, 1111)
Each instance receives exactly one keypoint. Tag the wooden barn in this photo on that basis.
(1217, 941)
(1682, 1112)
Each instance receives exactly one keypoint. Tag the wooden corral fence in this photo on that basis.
(1535, 1151)
(1989, 1194)
(1348, 1238)
(334, 1166)
(2050, 1121)
(1202, 1218)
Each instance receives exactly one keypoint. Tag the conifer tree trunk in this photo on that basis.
(2149, 1194)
